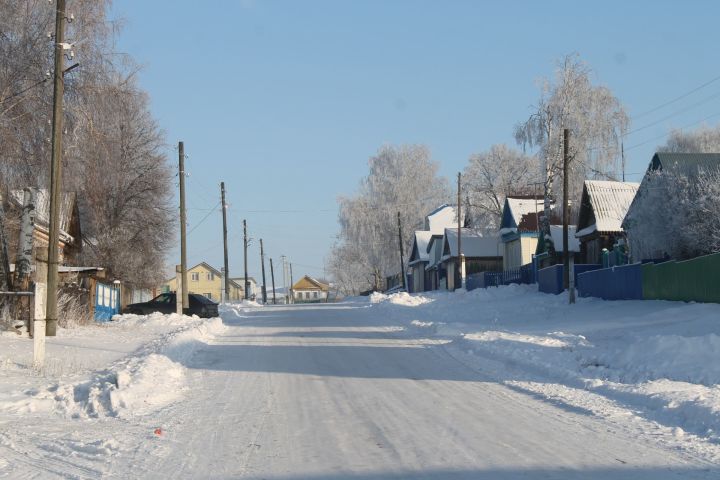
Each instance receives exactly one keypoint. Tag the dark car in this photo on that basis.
(165, 303)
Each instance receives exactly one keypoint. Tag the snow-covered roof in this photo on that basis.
(474, 244)
(419, 252)
(556, 233)
(520, 213)
(442, 217)
(608, 202)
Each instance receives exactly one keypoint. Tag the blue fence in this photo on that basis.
(550, 279)
(614, 283)
(522, 275)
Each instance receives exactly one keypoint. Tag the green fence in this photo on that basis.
(691, 280)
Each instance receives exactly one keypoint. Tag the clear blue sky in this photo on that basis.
(286, 100)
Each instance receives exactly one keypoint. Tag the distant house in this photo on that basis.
(646, 220)
(418, 277)
(482, 254)
(435, 274)
(519, 230)
(603, 208)
(254, 288)
(310, 290)
(205, 280)
(438, 220)
(70, 241)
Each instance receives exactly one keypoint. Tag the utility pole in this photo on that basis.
(245, 245)
(284, 268)
(402, 257)
(225, 246)
(461, 257)
(292, 294)
(272, 277)
(622, 155)
(51, 314)
(566, 217)
(262, 265)
(183, 228)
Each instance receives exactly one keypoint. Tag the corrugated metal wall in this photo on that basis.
(695, 280)
(615, 283)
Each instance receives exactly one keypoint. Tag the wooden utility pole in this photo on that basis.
(284, 270)
(460, 257)
(402, 256)
(183, 228)
(245, 245)
(272, 277)
(262, 266)
(51, 313)
(622, 156)
(225, 246)
(566, 212)
(292, 295)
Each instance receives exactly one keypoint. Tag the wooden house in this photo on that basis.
(646, 220)
(482, 254)
(310, 290)
(70, 239)
(519, 230)
(205, 280)
(418, 277)
(603, 208)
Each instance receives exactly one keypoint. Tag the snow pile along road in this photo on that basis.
(150, 378)
(659, 361)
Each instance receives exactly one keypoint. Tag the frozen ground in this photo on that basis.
(504, 383)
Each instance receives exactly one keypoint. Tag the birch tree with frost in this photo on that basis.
(596, 118)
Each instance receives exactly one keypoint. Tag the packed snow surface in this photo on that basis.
(501, 383)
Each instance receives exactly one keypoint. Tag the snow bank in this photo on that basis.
(400, 298)
(658, 360)
(138, 384)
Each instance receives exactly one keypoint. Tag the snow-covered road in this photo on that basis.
(330, 392)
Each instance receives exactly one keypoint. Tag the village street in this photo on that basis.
(354, 390)
(317, 392)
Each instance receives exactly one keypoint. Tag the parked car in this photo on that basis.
(165, 303)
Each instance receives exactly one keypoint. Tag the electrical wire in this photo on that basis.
(204, 218)
(684, 95)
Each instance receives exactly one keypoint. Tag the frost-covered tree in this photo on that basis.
(492, 176)
(401, 179)
(705, 139)
(112, 147)
(676, 214)
(596, 119)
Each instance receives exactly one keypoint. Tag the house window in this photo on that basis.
(307, 295)
(208, 295)
(315, 295)
(195, 276)
(299, 295)
(211, 276)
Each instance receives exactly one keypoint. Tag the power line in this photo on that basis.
(204, 218)
(677, 112)
(670, 102)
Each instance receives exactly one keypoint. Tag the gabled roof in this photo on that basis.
(42, 209)
(521, 214)
(419, 252)
(474, 244)
(604, 206)
(207, 266)
(442, 217)
(689, 162)
(309, 283)
(242, 279)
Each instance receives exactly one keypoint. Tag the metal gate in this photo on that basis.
(107, 302)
